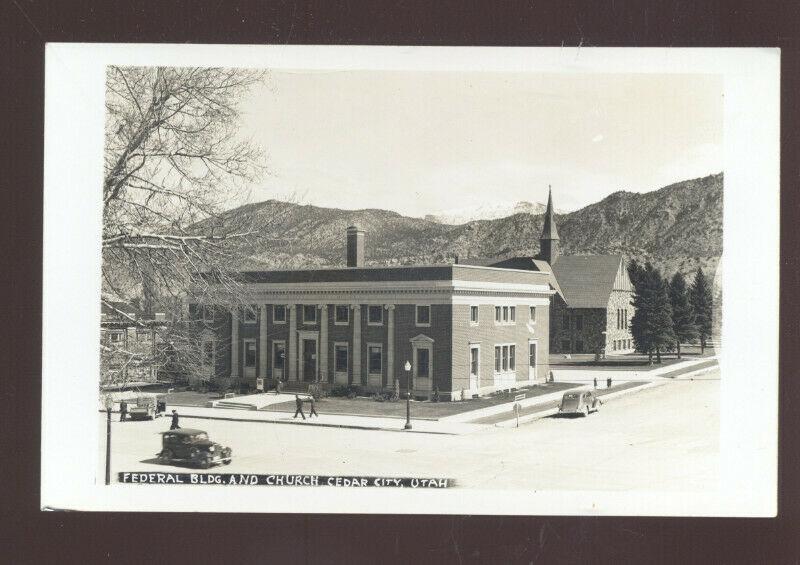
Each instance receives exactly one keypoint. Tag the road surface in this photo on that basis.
(663, 438)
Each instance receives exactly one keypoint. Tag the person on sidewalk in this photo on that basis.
(299, 403)
(277, 386)
(174, 425)
(595, 383)
(313, 411)
(608, 382)
(123, 411)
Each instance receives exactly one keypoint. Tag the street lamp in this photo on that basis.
(408, 396)
(109, 404)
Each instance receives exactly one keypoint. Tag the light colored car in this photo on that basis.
(581, 402)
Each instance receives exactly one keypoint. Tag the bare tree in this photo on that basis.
(174, 163)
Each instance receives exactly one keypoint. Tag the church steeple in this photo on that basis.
(549, 241)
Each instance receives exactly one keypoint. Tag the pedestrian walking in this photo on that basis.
(299, 403)
(174, 425)
(313, 411)
(552, 378)
(595, 383)
(277, 385)
(123, 411)
(608, 382)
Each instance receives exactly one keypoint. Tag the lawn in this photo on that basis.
(627, 362)
(419, 409)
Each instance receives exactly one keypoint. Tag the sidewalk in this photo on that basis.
(588, 375)
(189, 413)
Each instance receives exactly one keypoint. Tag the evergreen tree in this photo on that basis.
(651, 324)
(683, 320)
(702, 303)
(635, 271)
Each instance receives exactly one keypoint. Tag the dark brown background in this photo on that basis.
(27, 535)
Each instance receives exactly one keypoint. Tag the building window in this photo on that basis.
(342, 358)
(512, 357)
(208, 314)
(142, 335)
(423, 362)
(505, 358)
(250, 354)
(423, 315)
(341, 315)
(505, 314)
(497, 314)
(565, 346)
(279, 314)
(497, 361)
(512, 312)
(375, 315)
(116, 337)
(532, 311)
(579, 322)
(532, 354)
(474, 360)
(309, 314)
(250, 316)
(473, 315)
(375, 356)
(565, 321)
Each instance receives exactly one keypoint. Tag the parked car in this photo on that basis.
(579, 402)
(147, 407)
(192, 446)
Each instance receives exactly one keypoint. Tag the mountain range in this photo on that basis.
(494, 211)
(678, 228)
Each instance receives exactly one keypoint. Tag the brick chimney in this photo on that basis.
(355, 247)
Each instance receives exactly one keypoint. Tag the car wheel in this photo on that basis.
(165, 456)
(586, 411)
(205, 462)
(227, 462)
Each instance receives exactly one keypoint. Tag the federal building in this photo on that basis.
(463, 330)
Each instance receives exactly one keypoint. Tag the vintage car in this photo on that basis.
(579, 402)
(192, 446)
(147, 407)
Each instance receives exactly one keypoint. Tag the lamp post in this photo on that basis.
(109, 405)
(408, 396)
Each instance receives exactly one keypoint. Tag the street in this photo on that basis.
(663, 438)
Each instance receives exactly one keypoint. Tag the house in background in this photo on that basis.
(129, 339)
(463, 330)
(592, 306)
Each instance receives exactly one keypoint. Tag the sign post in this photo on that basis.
(407, 367)
(517, 410)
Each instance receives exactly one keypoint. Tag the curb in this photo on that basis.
(321, 425)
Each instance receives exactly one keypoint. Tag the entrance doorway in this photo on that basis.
(309, 360)
(531, 360)
(249, 359)
(474, 368)
(278, 359)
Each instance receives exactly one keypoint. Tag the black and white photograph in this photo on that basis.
(411, 280)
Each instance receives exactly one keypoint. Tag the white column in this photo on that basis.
(262, 343)
(389, 345)
(323, 343)
(291, 349)
(235, 343)
(356, 343)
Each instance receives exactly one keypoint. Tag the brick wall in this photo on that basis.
(486, 334)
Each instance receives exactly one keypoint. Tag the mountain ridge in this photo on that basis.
(677, 227)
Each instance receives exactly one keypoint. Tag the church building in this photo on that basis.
(592, 306)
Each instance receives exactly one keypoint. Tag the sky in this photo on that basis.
(424, 142)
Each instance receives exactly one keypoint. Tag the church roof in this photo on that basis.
(587, 280)
(549, 230)
(524, 263)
